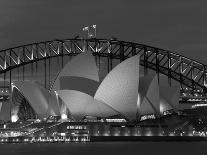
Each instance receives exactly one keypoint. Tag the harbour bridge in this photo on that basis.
(191, 74)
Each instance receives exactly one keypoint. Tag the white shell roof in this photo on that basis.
(149, 95)
(83, 65)
(40, 100)
(169, 99)
(119, 89)
(81, 105)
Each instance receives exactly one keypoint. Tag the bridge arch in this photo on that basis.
(187, 71)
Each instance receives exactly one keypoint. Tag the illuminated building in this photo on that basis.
(122, 94)
(107, 109)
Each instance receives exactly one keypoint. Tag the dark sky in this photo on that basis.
(176, 25)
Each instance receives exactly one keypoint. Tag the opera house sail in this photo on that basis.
(77, 93)
(82, 105)
(116, 95)
(169, 100)
(36, 97)
(80, 90)
(148, 102)
(119, 89)
(81, 74)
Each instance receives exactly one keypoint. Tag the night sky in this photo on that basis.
(176, 25)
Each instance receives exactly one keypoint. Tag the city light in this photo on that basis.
(64, 116)
(147, 117)
(14, 118)
(199, 105)
(115, 120)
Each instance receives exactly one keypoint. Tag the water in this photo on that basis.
(105, 148)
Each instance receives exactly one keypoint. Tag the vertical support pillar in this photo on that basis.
(99, 58)
(95, 53)
(133, 50)
(32, 63)
(111, 61)
(62, 61)
(10, 71)
(108, 63)
(192, 77)
(5, 71)
(74, 47)
(110, 57)
(157, 65)
(49, 61)
(181, 73)
(36, 51)
(99, 61)
(204, 81)
(23, 62)
(85, 45)
(45, 65)
(145, 61)
(32, 68)
(4, 81)
(45, 69)
(18, 72)
(49, 71)
(169, 68)
(121, 52)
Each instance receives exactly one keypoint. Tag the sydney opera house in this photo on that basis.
(77, 94)
(124, 103)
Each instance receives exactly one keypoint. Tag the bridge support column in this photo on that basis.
(169, 71)
(157, 65)
(10, 72)
(121, 52)
(45, 69)
(62, 60)
(110, 57)
(145, 61)
(23, 69)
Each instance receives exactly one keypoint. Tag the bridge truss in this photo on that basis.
(189, 73)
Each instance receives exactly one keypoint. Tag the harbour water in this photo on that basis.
(105, 148)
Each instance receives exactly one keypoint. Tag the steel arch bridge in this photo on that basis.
(188, 72)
